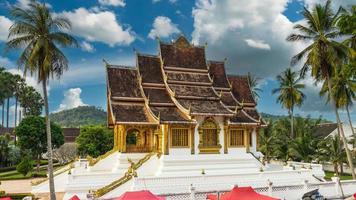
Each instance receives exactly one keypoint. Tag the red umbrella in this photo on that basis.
(241, 193)
(75, 197)
(6, 198)
(142, 195)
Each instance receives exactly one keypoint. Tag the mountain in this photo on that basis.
(272, 117)
(80, 116)
(91, 115)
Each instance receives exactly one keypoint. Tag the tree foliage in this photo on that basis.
(94, 140)
(31, 134)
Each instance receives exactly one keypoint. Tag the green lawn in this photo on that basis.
(14, 175)
(329, 174)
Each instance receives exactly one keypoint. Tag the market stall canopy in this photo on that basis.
(75, 197)
(241, 193)
(142, 195)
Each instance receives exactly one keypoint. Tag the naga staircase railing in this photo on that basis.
(131, 172)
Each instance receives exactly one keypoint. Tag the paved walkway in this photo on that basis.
(17, 186)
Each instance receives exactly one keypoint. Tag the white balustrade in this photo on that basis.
(288, 192)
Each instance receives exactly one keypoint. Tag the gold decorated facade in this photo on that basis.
(179, 100)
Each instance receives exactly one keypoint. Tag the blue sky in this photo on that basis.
(250, 34)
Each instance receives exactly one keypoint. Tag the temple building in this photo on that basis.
(181, 124)
(178, 102)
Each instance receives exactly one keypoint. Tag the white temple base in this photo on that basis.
(174, 174)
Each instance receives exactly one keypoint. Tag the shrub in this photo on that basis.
(14, 155)
(25, 166)
(94, 140)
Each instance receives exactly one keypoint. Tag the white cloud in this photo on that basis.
(155, 1)
(258, 44)
(101, 26)
(163, 27)
(230, 27)
(71, 99)
(120, 3)
(86, 46)
(5, 62)
(5, 24)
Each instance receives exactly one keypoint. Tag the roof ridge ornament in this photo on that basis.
(106, 63)
(182, 42)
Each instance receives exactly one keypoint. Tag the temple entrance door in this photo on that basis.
(138, 141)
(209, 137)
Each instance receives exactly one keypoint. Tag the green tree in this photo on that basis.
(25, 166)
(94, 140)
(343, 90)
(302, 148)
(4, 149)
(324, 54)
(331, 150)
(289, 93)
(31, 101)
(31, 134)
(39, 34)
(347, 26)
(266, 142)
(253, 82)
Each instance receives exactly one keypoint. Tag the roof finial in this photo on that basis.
(206, 45)
(106, 63)
(225, 59)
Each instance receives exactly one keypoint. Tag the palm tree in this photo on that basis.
(290, 94)
(343, 90)
(266, 142)
(39, 34)
(347, 25)
(324, 54)
(331, 150)
(253, 82)
(302, 148)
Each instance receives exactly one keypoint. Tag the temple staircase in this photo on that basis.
(209, 164)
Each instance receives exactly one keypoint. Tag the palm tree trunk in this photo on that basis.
(49, 142)
(341, 130)
(336, 169)
(15, 119)
(3, 113)
(7, 112)
(352, 128)
(292, 123)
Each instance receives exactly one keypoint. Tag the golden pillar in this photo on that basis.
(192, 139)
(120, 138)
(165, 130)
(247, 139)
(226, 137)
